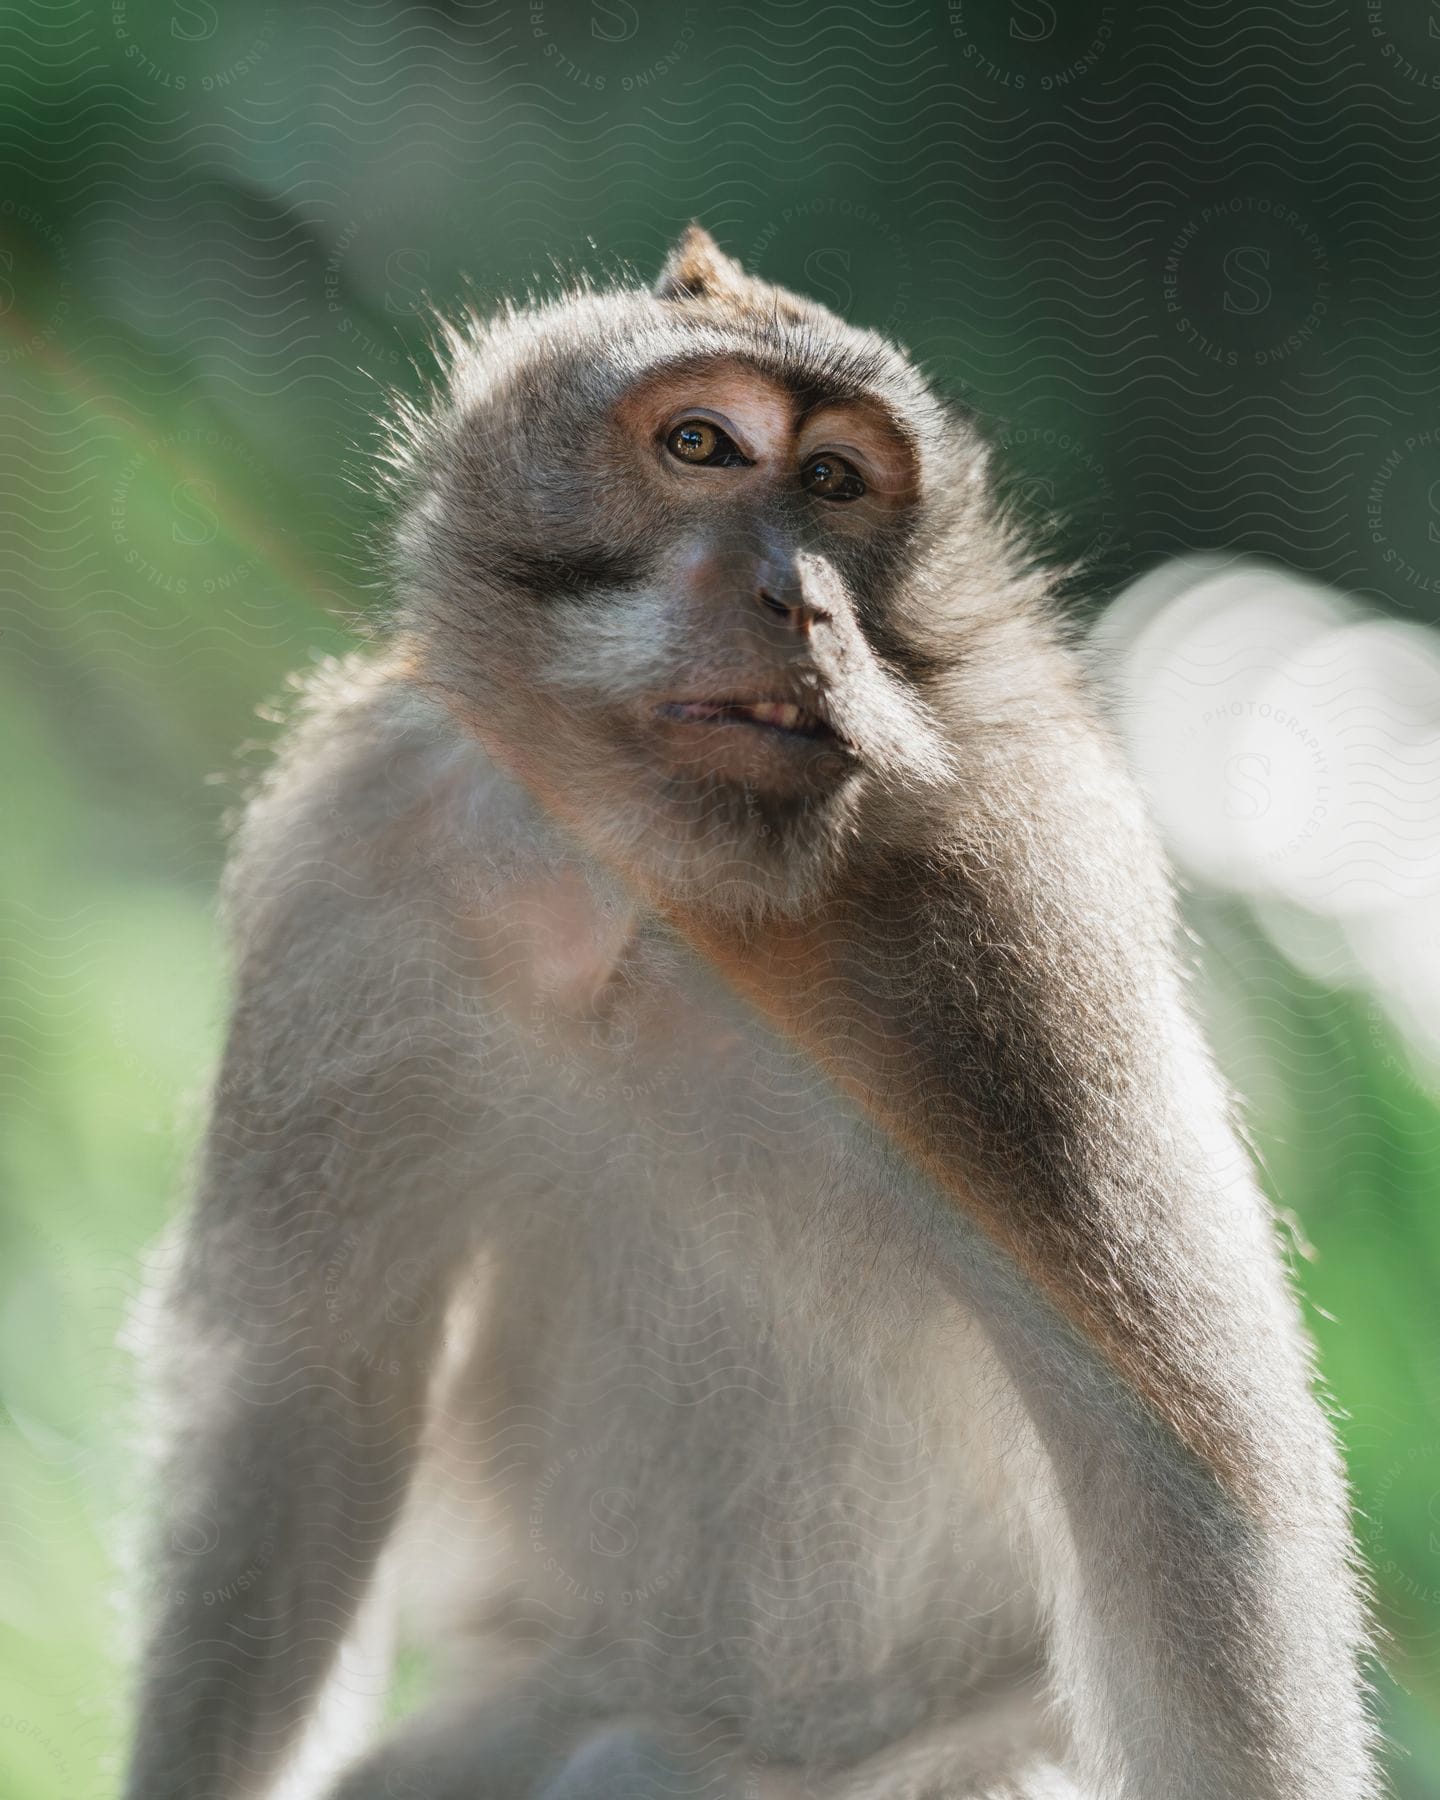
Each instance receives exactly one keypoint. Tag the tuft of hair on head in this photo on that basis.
(698, 269)
(698, 272)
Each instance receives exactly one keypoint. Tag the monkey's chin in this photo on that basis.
(741, 847)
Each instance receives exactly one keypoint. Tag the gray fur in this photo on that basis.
(714, 1446)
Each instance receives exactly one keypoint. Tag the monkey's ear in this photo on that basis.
(698, 269)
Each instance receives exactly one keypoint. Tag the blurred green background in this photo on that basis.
(1184, 260)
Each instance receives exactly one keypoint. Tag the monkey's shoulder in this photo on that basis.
(384, 844)
(369, 794)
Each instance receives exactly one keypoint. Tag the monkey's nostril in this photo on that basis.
(775, 605)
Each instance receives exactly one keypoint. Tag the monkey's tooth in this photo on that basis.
(775, 712)
(784, 715)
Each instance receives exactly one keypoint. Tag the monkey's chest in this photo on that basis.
(741, 1466)
(743, 1492)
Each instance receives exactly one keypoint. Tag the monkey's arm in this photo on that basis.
(301, 1333)
(303, 1321)
(1002, 1000)
(291, 1446)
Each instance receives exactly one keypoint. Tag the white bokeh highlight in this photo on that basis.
(1290, 745)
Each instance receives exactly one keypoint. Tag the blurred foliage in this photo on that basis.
(1182, 260)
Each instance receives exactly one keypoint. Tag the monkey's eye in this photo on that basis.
(699, 442)
(830, 477)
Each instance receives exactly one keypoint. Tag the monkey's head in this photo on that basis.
(696, 565)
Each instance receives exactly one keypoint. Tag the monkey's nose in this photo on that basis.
(784, 595)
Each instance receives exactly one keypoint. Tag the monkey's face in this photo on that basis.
(771, 513)
(723, 672)
(666, 550)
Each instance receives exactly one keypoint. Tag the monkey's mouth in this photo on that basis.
(768, 715)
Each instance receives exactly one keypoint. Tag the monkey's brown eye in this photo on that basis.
(832, 478)
(699, 442)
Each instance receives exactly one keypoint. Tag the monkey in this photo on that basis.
(717, 1215)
